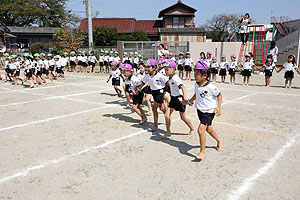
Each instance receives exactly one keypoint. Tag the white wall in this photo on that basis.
(217, 48)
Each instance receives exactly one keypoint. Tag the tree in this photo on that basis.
(33, 12)
(135, 36)
(219, 26)
(67, 39)
(104, 36)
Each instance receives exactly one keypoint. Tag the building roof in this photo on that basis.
(178, 4)
(32, 30)
(182, 30)
(124, 25)
(4, 28)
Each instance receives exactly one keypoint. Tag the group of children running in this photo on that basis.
(157, 79)
(36, 68)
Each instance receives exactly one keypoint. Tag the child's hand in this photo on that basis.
(218, 111)
(185, 102)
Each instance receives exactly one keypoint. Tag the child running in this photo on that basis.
(157, 83)
(178, 96)
(208, 104)
(138, 94)
(289, 67)
(115, 73)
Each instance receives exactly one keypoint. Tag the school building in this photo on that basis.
(175, 23)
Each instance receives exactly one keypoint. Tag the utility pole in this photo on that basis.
(88, 9)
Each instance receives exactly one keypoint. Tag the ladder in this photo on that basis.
(256, 44)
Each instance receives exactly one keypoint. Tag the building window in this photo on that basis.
(178, 22)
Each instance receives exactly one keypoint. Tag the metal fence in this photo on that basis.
(149, 49)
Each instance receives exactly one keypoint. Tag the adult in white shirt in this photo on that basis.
(273, 51)
(245, 21)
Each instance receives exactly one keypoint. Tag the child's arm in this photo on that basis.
(108, 79)
(183, 92)
(191, 100)
(218, 109)
(279, 69)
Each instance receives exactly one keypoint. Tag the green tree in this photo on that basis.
(135, 36)
(104, 36)
(219, 26)
(33, 12)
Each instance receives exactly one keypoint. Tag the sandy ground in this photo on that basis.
(76, 140)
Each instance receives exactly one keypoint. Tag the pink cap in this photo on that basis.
(247, 55)
(170, 63)
(171, 54)
(150, 62)
(161, 61)
(233, 55)
(223, 56)
(202, 64)
(114, 63)
(166, 47)
(214, 57)
(209, 52)
(127, 67)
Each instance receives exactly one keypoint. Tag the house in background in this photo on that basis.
(4, 35)
(177, 24)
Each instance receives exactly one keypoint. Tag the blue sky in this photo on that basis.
(149, 9)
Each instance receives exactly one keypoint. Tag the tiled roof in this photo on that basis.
(124, 25)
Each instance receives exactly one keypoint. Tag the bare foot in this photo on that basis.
(165, 136)
(143, 121)
(219, 144)
(152, 129)
(191, 133)
(200, 155)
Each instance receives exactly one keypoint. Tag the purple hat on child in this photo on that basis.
(127, 67)
(223, 56)
(209, 52)
(161, 61)
(166, 47)
(114, 63)
(233, 55)
(150, 62)
(248, 55)
(171, 54)
(170, 63)
(201, 65)
(214, 57)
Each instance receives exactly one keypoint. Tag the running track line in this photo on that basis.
(25, 172)
(248, 182)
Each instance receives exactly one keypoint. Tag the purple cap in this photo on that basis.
(209, 52)
(170, 63)
(166, 47)
(248, 55)
(150, 62)
(233, 55)
(223, 56)
(214, 57)
(127, 67)
(114, 63)
(171, 54)
(202, 64)
(161, 61)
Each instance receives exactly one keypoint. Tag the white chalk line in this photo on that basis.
(25, 172)
(248, 182)
(271, 93)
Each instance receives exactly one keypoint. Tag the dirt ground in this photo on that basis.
(75, 139)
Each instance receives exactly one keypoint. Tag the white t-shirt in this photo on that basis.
(134, 82)
(51, 62)
(73, 58)
(117, 59)
(57, 64)
(206, 97)
(84, 58)
(111, 58)
(180, 61)
(115, 73)
(223, 65)
(40, 64)
(247, 65)
(289, 66)
(45, 64)
(136, 60)
(101, 58)
(64, 61)
(157, 82)
(124, 59)
(27, 64)
(106, 58)
(270, 67)
(79, 58)
(175, 86)
(233, 65)
(188, 61)
(131, 59)
(174, 59)
(214, 65)
(92, 59)
(140, 76)
(274, 53)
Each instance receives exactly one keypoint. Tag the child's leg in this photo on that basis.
(127, 98)
(117, 90)
(186, 75)
(190, 76)
(233, 79)
(290, 85)
(166, 99)
(213, 134)
(188, 122)
(202, 137)
(168, 118)
(15, 81)
(248, 80)
(143, 115)
(244, 80)
(148, 97)
(155, 116)
(137, 110)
